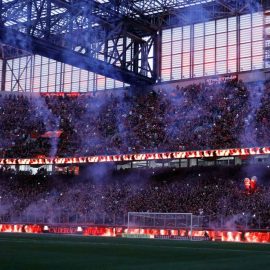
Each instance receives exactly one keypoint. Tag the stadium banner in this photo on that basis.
(51, 134)
(219, 80)
(218, 153)
(213, 235)
(129, 235)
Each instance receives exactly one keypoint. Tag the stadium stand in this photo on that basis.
(215, 194)
(201, 116)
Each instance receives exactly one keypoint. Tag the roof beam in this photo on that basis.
(36, 46)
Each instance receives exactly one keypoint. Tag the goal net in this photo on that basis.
(160, 220)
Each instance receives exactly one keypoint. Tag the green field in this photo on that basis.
(74, 252)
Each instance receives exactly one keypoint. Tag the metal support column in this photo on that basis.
(3, 75)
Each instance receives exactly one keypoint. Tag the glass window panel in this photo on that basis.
(75, 76)
(210, 42)
(245, 64)
(221, 25)
(23, 62)
(67, 77)
(221, 67)
(57, 88)
(257, 48)
(83, 86)
(100, 82)
(198, 57)
(75, 87)
(8, 75)
(51, 88)
(28, 84)
(37, 60)
(186, 32)
(209, 69)
(14, 63)
(166, 74)
(68, 68)
(245, 35)
(109, 83)
(22, 75)
(186, 72)
(245, 21)
(166, 35)
(186, 59)
(198, 43)
(232, 51)
(110, 43)
(232, 24)
(51, 79)
(267, 19)
(44, 70)
(245, 50)
(210, 55)
(257, 33)
(28, 72)
(36, 82)
(232, 38)
(14, 85)
(52, 68)
(128, 54)
(176, 73)
(186, 45)
(221, 39)
(221, 54)
(91, 86)
(91, 76)
(176, 60)
(166, 48)
(176, 47)
(8, 86)
(210, 28)
(58, 67)
(198, 29)
(44, 60)
(75, 69)
(58, 78)
(166, 62)
(257, 19)
(232, 66)
(257, 62)
(177, 33)
(37, 71)
(84, 75)
(198, 71)
(67, 87)
(118, 84)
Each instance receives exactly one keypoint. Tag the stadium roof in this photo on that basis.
(78, 32)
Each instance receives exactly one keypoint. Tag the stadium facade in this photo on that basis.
(175, 41)
(51, 46)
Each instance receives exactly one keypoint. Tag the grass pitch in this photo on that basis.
(54, 252)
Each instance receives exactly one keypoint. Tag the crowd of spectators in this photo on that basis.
(200, 116)
(216, 194)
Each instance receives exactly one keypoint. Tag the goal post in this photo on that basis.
(140, 220)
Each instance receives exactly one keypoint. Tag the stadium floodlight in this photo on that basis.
(140, 220)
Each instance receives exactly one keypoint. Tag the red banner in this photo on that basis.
(219, 153)
(52, 134)
(214, 235)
